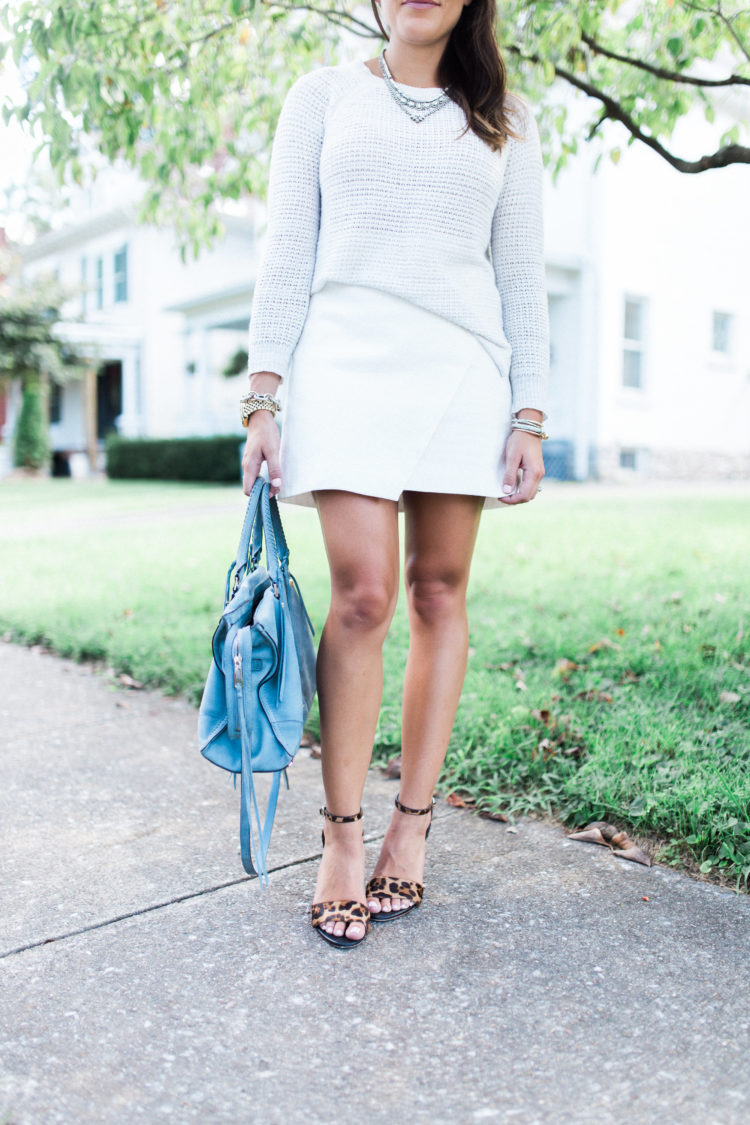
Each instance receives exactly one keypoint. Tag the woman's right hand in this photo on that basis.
(263, 444)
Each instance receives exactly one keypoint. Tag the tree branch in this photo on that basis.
(726, 20)
(730, 154)
(342, 18)
(660, 72)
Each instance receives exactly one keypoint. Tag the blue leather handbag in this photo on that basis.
(261, 682)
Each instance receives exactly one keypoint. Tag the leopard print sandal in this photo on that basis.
(388, 886)
(338, 910)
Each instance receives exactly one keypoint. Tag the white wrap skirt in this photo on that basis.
(384, 397)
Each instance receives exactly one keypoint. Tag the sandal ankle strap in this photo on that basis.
(340, 819)
(414, 812)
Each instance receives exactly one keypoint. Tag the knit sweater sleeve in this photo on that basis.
(517, 243)
(282, 288)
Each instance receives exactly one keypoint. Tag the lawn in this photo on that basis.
(608, 672)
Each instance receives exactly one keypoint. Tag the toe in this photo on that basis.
(355, 931)
(373, 905)
(385, 905)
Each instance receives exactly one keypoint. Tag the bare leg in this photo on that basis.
(361, 541)
(441, 532)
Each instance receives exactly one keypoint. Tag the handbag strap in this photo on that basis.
(254, 841)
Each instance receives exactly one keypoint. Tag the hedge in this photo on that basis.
(30, 441)
(195, 459)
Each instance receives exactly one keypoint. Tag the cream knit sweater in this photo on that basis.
(358, 193)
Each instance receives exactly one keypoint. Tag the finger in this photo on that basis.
(527, 489)
(251, 463)
(274, 470)
(510, 476)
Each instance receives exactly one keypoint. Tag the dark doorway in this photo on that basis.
(108, 398)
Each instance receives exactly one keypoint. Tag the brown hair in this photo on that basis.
(473, 72)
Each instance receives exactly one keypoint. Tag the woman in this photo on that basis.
(380, 317)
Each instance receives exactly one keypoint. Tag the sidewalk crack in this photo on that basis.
(163, 905)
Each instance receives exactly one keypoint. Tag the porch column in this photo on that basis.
(129, 422)
(89, 417)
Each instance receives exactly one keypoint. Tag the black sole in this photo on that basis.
(340, 942)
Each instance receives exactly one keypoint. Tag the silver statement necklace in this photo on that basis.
(416, 108)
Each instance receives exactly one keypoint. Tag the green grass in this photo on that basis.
(605, 629)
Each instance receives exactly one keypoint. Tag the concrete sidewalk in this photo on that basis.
(143, 977)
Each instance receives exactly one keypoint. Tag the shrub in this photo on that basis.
(30, 441)
(214, 459)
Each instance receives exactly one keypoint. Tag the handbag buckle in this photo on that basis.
(237, 659)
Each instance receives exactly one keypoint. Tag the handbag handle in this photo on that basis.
(270, 517)
(262, 519)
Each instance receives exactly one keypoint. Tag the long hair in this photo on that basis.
(473, 72)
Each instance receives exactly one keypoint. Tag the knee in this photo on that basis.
(364, 605)
(436, 597)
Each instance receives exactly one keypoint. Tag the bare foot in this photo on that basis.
(341, 874)
(401, 856)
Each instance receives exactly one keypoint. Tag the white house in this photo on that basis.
(649, 310)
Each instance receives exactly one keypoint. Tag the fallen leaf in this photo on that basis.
(307, 739)
(620, 632)
(315, 751)
(543, 716)
(564, 667)
(629, 677)
(588, 836)
(572, 751)
(675, 597)
(486, 815)
(547, 748)
(128, 681)
(393, 768)
(637, 855)
(720, 598)
(456, 801)
(594, 696)
(605, 642)
(616, 839)
(729, 697)
(504, 667)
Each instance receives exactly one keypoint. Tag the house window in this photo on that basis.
(634, 342)
(100, 283)
(722, 333)
(84, 293)
(121, 275)
(628, 459)
(55, 403)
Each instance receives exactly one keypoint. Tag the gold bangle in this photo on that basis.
(253, 401)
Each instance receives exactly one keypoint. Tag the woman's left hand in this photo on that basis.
(522, 451)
